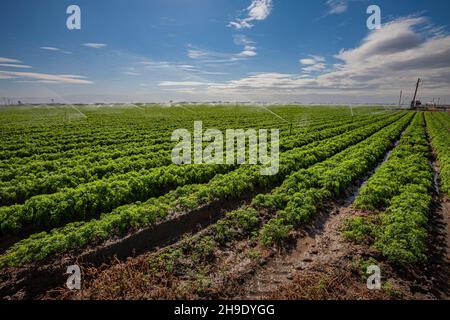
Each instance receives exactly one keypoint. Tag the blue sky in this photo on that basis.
(234, 50)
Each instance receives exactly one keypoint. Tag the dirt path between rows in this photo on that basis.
(322, 249)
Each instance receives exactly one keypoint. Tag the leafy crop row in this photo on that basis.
(439, 130)
(401, 188)
(87, 200)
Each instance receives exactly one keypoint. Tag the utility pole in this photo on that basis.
(400, 100)
(413, 102)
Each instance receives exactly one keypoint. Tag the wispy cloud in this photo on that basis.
(249, 45)
(182, 84)
(50, 48)
(307, 61)
(209, 56)
(131, 73)
(263, 81)
(313, 64)
(337, 6)
(247, 53)
(242, 40)
(4, 76)
(94, 45)
(55, 49)
(8, 60)
(11, 65)
(197, 54)
(151, 65)
(45, 78)
(257, 11)
(315, 68)
(179, 68)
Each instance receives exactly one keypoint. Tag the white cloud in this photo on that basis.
(247, 53)
(315, 67)
(393, 57)
(50, 48)
(152, 65)
(19, 66)
(386, 61)
(8, 60)
(209, 56)
(257, 11)
(307, 61)
(242, 40)
(196, 54)
(249, 45)
(47, 78)
(131, 73)
(190, 73)
(264, 80)
(337, 6)
(396, 36)
(181, 83)
(313, 64)
(311, 60)
(55, 49)
(94, 45)
(186, 66)
(318, 58)
(6, 76)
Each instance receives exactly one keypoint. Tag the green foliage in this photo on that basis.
(100, 196)
(223, 231)
(358, 229)
(246, 219)
(403, 237)
(401, 188)
(169, 261)
(274, 232)
(364, 264)
(439, 130)
(204, 249)
(308, 189)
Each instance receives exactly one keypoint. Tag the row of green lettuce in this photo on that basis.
(439, 131)
(401, 190)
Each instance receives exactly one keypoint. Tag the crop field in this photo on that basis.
(96, 186)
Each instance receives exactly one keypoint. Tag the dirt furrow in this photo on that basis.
(323, 246)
